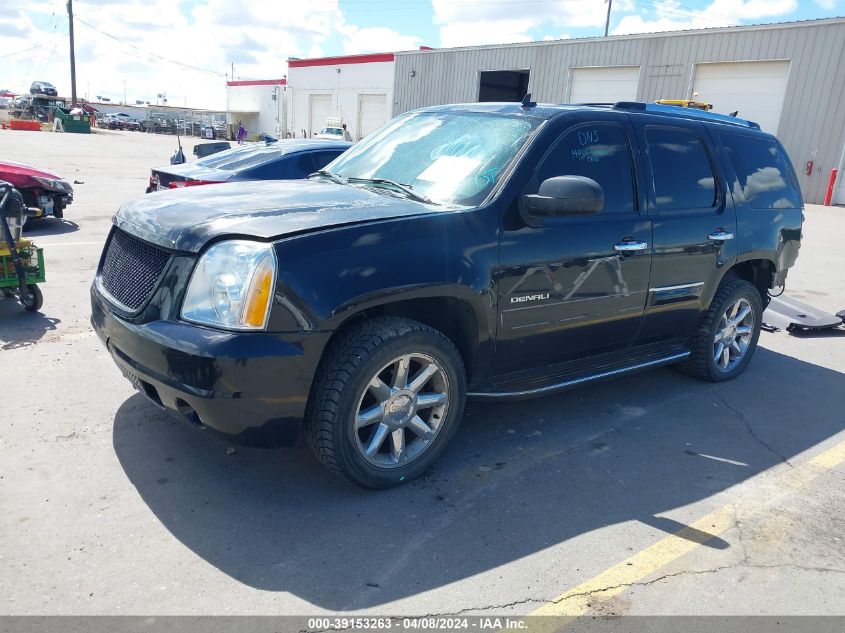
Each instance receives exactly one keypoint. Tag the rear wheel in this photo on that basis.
(728, 334)
(388, 397)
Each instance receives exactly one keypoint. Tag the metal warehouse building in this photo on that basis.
(788, 77)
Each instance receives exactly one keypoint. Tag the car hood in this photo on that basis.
(195, 172)
(21, 174)
(187, 219)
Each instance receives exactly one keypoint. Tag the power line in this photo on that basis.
(32, 48)
(681, 11)
(149, 54)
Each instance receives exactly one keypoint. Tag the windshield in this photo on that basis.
(240, 157)
(336, 131)
(451, 157)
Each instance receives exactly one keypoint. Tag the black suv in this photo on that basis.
(485, 250)
(43, 88)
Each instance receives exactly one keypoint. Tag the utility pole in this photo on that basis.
(607, 22)
(124, 92)
(72, 54)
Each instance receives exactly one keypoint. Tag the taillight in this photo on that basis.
(178, 184)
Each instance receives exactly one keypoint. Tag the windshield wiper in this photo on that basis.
(406, 189)
(340, 180)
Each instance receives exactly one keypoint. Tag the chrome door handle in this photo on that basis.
(630, 247)
(720, 236)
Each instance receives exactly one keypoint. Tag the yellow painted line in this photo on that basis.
(830, 458)
(580, 600)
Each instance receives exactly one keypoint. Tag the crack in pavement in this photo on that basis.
(595, 592)
(739, 414)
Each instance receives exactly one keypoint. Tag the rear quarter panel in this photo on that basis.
(772, 234)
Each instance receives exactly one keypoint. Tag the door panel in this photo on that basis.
(690, 212)
(563, 289)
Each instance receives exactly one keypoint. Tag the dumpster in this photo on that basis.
(76, 120)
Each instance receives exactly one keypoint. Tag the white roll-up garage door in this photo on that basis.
(607, 84)
(320, 108)
(372, 113)
(756, 89)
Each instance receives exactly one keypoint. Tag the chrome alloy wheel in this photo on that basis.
(402, 410)
(733, 334)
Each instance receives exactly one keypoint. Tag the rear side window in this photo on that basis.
(267, 171)
(765, 179)
(681, 169)
(321, 159)
(299, 166)
(599, 151)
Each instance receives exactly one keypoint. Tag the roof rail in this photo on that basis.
(656, 108)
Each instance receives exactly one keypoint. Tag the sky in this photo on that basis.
(187, 49)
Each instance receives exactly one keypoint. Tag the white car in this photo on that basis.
(333, 133)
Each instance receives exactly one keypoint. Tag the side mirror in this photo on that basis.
(565, 195)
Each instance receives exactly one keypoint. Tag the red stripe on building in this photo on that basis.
(343, 59)
(257, 82)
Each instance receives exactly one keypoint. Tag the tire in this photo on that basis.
(347, 385)
(703, 362)
(33, 300)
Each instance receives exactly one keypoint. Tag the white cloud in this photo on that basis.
(468, 22)
(671, 16)
(485, 32)
(256, 35)
(828, 5)
(362, 40)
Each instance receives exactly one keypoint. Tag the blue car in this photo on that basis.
(289, 159)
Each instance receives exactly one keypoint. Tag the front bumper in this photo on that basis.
(251, 388)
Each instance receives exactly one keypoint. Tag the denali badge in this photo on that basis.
(523, 298)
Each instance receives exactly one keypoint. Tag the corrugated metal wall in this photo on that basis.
(812, 124)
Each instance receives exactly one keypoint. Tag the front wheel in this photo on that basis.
(387, 398)
(33, 299)
(727, 336)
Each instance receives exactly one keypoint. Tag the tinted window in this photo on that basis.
(599, 151)
(683, 175)
(765, 179)
(268, 171)
(321, 159)
(299, 166)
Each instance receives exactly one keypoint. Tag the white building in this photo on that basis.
(259, 105)
(357, 90)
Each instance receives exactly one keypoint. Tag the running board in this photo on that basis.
(574, 381)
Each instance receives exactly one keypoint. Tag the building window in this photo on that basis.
(503, 85)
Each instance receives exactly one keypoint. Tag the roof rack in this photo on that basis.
(656, 108)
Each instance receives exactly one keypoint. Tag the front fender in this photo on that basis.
(326, 277)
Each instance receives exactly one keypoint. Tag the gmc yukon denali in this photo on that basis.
(490, 251)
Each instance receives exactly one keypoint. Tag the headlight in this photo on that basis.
(54, 184)
(232, 286)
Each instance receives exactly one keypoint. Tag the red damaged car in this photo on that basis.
(39, 188)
